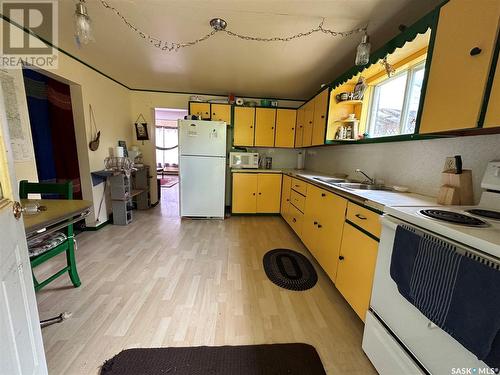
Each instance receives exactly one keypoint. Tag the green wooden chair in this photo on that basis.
(55, 243)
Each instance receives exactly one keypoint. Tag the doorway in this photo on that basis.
(167, 158)
(52, 128)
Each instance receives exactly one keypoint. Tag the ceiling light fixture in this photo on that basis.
(363, 50)
(83, 24)
(218, 24)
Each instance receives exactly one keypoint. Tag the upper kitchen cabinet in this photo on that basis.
(299, 127)
(265, 122)
(460, 66)
(492, 118)
(200, 109)
(319, 117)
(244, 122)
(308, 123)
(221, 112)
(285, 127)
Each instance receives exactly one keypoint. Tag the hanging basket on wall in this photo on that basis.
(141, 129)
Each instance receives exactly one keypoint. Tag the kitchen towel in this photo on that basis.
(458, 293)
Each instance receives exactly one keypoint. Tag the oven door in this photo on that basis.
(433, 348)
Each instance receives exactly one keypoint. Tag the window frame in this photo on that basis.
(374, 99)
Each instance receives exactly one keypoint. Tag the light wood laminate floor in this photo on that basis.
(165, 282)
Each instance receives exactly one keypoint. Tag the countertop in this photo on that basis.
(376, 199)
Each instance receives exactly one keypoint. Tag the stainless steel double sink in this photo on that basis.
(343, 183)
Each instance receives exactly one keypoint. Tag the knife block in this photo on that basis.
(456, 189)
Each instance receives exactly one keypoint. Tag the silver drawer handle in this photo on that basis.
(361, 217)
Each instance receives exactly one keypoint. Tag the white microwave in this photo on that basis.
(244, 159)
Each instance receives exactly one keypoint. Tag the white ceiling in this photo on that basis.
(224, 64)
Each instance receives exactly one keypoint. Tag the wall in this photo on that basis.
(145, 102)
(416, 164)
(111, 104)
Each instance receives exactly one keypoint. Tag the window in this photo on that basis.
(167, 153)
(395, 103)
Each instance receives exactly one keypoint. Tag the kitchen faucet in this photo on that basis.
(369, 180)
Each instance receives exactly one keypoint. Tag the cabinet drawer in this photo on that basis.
(298, 200)
(364, 218)
(296, 219)
(299, 186)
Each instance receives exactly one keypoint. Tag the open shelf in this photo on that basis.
(350, 102)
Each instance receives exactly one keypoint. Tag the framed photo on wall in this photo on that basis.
(141, 131)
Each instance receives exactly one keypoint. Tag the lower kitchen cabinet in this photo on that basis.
(268, 192)
(286, 187)
(256, 193)
(324, 216)
(356, 267)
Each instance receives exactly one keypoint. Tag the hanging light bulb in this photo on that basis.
(363, 51)
(83, 24)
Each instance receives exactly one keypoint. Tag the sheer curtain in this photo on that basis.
(166, 137)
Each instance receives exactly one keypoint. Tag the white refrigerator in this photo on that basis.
(202, 168)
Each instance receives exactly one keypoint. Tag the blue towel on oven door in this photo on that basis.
(459, 294)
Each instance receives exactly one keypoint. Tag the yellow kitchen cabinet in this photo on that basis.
(299, 127)
(244, 192)
(322, 226)
(269, 192)
(265, 122)
(358, 254)
(244, 121)
(308, 123)
(285, 127)
(200, 109)
(221, 112)
(458, 75)
(319, 117)
(492, 118)
(286, 187)
(256, 193)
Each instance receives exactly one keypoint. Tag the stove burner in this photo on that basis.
(454, 218)
(489, 214)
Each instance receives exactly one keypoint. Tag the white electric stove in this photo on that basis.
(398, 338)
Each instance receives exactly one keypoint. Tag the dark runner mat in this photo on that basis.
(271, 359)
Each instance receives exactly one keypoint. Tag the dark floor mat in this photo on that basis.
(271, 359)
(289, 269)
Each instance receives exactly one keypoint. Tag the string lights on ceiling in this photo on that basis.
(220, 26)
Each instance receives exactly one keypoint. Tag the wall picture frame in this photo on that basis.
(141, 131)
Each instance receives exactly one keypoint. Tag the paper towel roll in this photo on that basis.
(239, 101)
(300, 160)
(119, 152)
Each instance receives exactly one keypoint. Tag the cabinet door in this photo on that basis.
(356, 267)
(492, 118)
(311, 217)
(330, 227)
(265, 121)
(285, 196)
(457, 79)
(319, 118)
(221, 112)
(244, 192)
(299, 127)
(285, 127)
(200, 109)
(269, 193)
(308, 123)
(244, 120)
